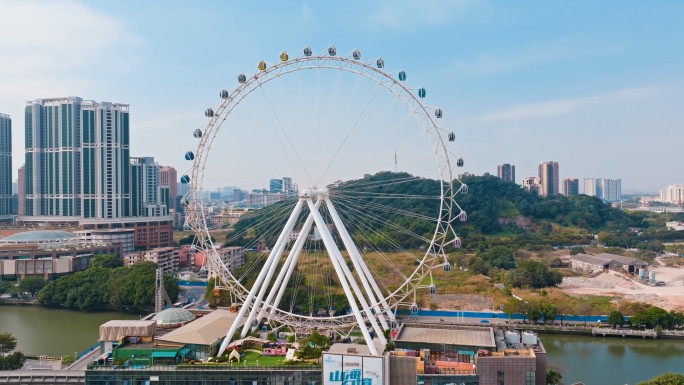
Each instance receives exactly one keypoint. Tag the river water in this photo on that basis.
(592, 360)
(612, 360)
(54, 332)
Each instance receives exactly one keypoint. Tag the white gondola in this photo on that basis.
(452, 136)
(447, 267)
(332, 51)
(459, 162)
(197, 133)
(464, 188)
(414, 308)
(224, 94)
(209, 113)
(307, 51)
(380, 63)
(463, 216)
(432, 288)
(242, 78)
(356, 54)
(457, 243)
(438, 113)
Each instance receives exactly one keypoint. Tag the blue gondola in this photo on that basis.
(332, 51)
(447, 267)
(432, 288)
(414, 308)
(189, 155)
(402, 76)
(421, 93)
(307, 51)
(197, 133)
(185, 179)
(209, 113)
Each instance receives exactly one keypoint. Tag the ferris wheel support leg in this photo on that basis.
(359, 265)
(288, 267)
(271, 265)
(331, 247)
(260, 279)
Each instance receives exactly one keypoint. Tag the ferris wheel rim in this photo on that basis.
(350, 64)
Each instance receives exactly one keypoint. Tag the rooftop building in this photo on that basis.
(5, 167)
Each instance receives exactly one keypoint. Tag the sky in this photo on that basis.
(595, 86)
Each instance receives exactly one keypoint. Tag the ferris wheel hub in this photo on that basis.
(314, 192)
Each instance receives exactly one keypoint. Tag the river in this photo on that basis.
(592, 360)
(612, 360)
(54, 332)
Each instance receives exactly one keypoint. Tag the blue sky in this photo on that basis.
(596, 86)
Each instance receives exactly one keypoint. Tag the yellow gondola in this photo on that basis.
(283, 56)
(262, 65)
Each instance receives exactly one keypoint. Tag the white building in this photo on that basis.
(609, 190)
(165, 257)
(673, 194)
(676, 226)
(123, 237)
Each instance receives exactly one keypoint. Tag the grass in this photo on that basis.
(252, 357)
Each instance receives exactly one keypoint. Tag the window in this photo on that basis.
(530, 377)
(500, 377)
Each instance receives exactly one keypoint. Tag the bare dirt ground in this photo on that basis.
(467, 302)
(611, 283)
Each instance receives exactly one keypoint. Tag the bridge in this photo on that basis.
(42, 377)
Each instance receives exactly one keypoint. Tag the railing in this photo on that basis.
(624, 332)
(225, 367)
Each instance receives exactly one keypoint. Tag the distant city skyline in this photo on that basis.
(577, 84)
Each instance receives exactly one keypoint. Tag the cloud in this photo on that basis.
(566, 106)
(58, 45)
(534, 55)
(409, 14)
(306, 12)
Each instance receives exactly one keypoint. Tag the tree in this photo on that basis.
(5, 287)
(499, 256)
(534, 275)
(553, 377)
(665, 379)
(616, 318)
(31, 284)
(108, 261)
(8, 342)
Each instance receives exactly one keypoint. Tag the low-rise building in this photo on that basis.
(604, 261)
(676, 226)
(165, 257)
(47, 253)
(124, 237)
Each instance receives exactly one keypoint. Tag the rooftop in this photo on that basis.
(203, 331)
(38, 236)
(444, 335)
(603, 258)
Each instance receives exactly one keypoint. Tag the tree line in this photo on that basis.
(107, 284)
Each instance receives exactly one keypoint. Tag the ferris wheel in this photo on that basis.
(340, 255)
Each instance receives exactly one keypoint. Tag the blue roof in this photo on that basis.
(39, 235)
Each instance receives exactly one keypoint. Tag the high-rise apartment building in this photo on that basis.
(21, 195)
(5, 166)
(148, 197)
(506, 172)
(570, 186)
(548, 178)
(276, 185)
(168, 177)
(609, 190)
(673, 194)
(77, 159)
(531, 183)
(612, 190)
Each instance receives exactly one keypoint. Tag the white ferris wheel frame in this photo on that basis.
(450, 211)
